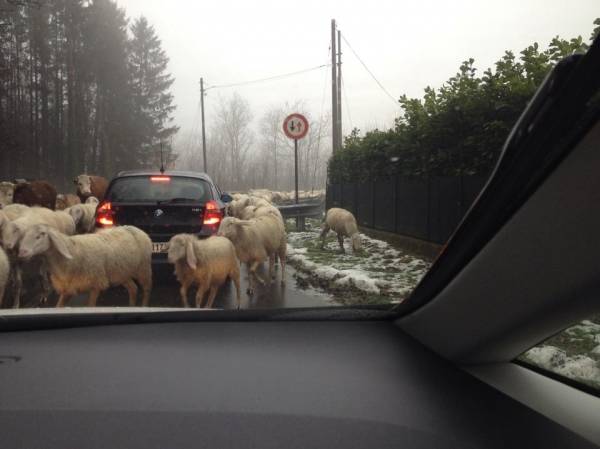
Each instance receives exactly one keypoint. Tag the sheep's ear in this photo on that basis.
(75, 181)
(191, 255)
(59, 244)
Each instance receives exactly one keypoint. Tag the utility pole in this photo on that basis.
(203, 132)
(334, 90)
(339, 90)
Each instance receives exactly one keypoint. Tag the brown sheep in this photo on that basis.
(89, 185)
(66, 200)
(35, 193)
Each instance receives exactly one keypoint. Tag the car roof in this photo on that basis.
(188, 174)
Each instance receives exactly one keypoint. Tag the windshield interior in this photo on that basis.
(348, 141)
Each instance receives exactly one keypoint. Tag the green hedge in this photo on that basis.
(458, 128)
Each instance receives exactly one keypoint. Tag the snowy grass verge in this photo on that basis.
(574, 353)
(378, 274)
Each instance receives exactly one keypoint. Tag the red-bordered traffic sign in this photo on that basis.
(295, 126)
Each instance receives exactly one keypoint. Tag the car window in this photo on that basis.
(573, 354)
(145, 189)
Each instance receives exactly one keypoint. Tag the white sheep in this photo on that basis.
(207, 262)
(344, 224)
(93, 262)
(256, 240)
(4, 274)
(14, 211)
(12, 231)
(235, 208)
(268, 210)
(92, 200)
(84, 216)
(247, 213)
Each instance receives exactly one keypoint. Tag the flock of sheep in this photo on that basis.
(65, 248)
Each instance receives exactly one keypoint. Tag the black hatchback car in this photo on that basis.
(162, 205)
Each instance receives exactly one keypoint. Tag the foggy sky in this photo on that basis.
(408, 45)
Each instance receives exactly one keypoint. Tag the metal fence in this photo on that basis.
(425, 208)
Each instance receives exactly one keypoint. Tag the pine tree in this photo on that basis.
(153, 102)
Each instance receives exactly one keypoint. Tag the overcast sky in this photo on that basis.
(406, 44)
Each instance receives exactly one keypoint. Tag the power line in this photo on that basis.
(370, 73)
(270, 78)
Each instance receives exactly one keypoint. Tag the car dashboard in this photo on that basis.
(295, 384)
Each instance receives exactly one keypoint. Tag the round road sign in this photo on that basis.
(295, 126)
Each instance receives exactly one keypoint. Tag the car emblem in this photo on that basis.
(158, 213)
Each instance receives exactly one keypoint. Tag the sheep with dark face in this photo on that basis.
(255, 241)
(93, 262)
(344, 224)
(207, 262)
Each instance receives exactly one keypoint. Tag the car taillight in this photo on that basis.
(105, 216)
(212, 214)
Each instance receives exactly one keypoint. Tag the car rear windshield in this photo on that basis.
(158, 189)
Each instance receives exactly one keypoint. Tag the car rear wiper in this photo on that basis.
(177, 200)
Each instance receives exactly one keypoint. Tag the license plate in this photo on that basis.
(160, 247)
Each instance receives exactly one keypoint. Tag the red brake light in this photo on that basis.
(105, 215)
(160, 178)
(212, 214)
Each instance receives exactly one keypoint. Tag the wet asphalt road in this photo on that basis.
(165, 293)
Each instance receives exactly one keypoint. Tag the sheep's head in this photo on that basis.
(11, 234)
(92, 200)
(76, 212)
(84, 185)
(182, 246)
(7, 192)
(356, 242)
(38, 239)
(61, 202)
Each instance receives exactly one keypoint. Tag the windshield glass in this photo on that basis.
(343, 144)
(159, 189)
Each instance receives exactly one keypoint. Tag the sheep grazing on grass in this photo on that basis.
(255, 241)
(65, 200)
(84, 217)
(4, 274)
(207, 263)
(93, 262)
(344, 224)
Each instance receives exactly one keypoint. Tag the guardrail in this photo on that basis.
(302, 211)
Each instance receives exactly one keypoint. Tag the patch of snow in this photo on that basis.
(358, 279)
(554, 359)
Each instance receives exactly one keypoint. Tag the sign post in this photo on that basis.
(295, 126)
